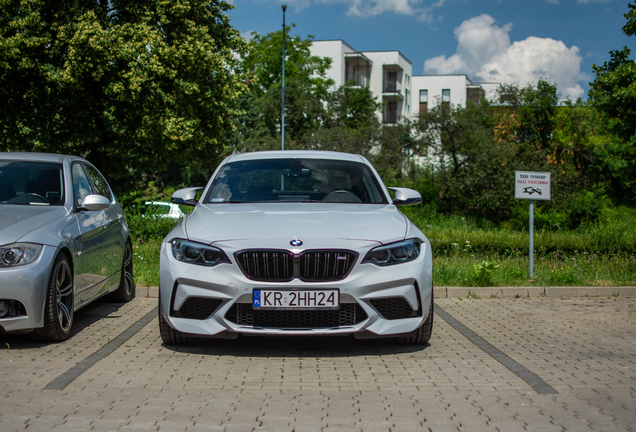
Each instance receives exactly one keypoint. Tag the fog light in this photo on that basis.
(4, 308)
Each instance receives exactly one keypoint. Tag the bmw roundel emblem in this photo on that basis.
(296, 242)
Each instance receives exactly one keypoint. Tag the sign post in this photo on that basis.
(532, 186)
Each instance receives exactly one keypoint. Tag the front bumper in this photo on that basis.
(367, 296)
(27, 285)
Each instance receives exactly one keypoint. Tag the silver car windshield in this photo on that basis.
(295, 180)
(31, 183)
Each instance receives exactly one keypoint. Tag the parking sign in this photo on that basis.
(532, 185)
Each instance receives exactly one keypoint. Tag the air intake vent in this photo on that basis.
(328, 265)
(198, 308)
(14, 309)
(308, 266)
(245, 315)
(266, 265)
(395, 308)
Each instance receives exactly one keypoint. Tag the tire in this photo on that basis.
(127, 290)
(59, 307)
(423, 333)
(169, 335)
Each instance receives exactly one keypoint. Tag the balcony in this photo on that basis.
(392, 82)
(390, 117)
(358, 69)
(357, 79)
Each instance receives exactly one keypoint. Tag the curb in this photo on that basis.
(147, 292)
(533, 292)
(495, 292)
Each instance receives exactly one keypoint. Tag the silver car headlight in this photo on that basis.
(394, 253)
(18, 254)
(197, 253)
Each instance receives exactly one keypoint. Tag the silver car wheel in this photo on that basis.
(59, 304)
(64, 295)
(128, 270)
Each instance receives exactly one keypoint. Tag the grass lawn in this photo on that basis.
(466, 254)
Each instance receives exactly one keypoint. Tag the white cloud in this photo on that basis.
(423, 10)
(484, 52)
(367, 8)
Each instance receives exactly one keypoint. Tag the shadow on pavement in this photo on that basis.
(82, 319)
(296, 346)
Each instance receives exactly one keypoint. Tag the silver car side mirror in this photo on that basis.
(186, 196)
(405, 196)
(94, 203)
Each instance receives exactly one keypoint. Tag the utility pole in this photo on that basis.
(282, 122)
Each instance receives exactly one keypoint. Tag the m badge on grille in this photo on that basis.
(296, 242)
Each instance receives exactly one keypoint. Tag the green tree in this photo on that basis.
(613, 93)
(534, 110)
(349, 124)
(630, 28)
(132, 85)
(306, 89)
(473, 166)
(352, 107)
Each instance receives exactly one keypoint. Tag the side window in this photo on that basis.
(100, 186)
(81, 185)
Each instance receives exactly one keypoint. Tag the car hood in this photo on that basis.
(18, 220)
(221, 222)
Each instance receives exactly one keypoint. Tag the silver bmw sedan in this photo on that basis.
(64, 242)
(296, 243)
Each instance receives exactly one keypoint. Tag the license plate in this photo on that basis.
(296, 299)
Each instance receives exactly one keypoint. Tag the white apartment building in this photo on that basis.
(388, 74)
(455, 90)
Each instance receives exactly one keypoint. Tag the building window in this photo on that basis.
(423, 101)
(391, 113)
(390, 85)
(446, 101)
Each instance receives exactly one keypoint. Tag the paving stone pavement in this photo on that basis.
(584, 348)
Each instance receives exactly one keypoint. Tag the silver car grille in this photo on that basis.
(308, 266)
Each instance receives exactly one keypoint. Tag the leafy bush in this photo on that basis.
(587, 206)
(148, 228)
(483, 274)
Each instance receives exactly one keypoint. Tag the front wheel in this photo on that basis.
(169, 335)
(58, 308)
(423, 333)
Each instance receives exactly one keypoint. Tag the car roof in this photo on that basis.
(37, 157)
(295, 154)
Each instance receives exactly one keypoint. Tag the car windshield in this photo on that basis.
(31, 183)
(295, 180)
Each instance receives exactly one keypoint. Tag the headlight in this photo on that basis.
(394, 253)
(197, 253)
(18, 254)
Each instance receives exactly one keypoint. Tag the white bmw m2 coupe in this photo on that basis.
(296, 243)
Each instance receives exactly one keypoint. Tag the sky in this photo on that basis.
(508, 41)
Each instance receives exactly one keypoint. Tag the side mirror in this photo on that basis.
(406, 197)
(94, 203)
(186, 196)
